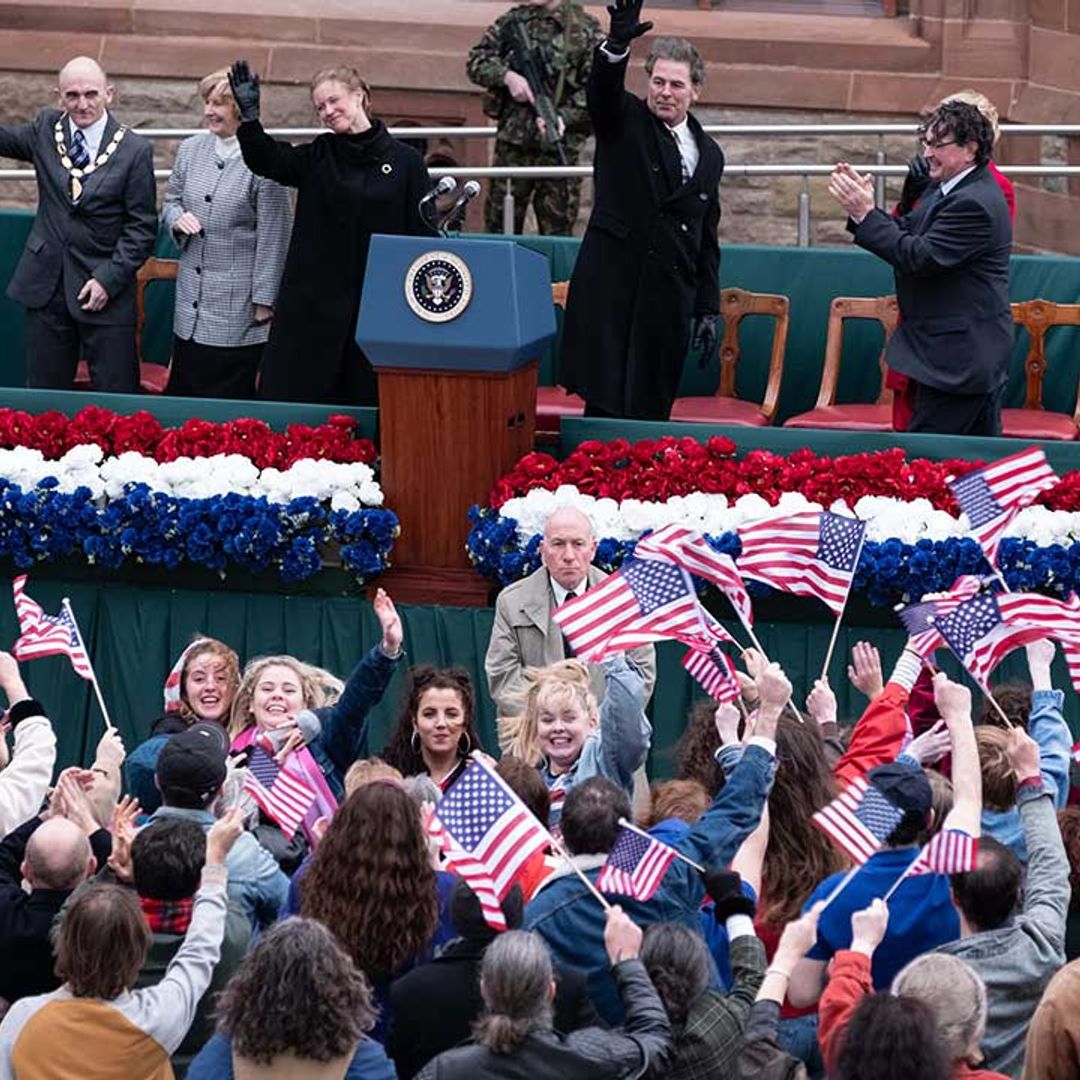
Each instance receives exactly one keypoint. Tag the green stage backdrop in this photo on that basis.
(810, 277)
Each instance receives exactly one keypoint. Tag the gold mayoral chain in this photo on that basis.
(78, 174)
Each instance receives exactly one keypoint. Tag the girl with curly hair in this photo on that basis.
(372, 884)
(436, 729)
(297, 1002)
(570, 738)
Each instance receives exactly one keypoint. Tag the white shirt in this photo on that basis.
(226, 149)
(948, 185)
(91, 134)
(561, 594)
(688, 147)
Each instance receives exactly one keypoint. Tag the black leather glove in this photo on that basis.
(915, 183)
(245, 90)
(625, 24)
(725, 888)
(703, 338)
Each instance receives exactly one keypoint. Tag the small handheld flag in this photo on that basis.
(635, 865)
(859, 820)
(282, 796)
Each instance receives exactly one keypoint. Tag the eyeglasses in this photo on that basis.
(931, 144)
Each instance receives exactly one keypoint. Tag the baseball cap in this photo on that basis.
(905, 786)
(193, 761)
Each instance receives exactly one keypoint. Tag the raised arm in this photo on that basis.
(624, 729)
(25, 779)
(263, 155)
(954, 703)
(1046, 724)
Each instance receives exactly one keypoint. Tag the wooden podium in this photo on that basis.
(454, 329)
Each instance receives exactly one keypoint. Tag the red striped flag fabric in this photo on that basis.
(918, 619)
(646, 600)
(173, 689)
(635, 865)
(993, 495)
(809, 553)
(47, 635)
(283, 797)
(486, 834)
(715, 672)
(951, 851)
(692, 552)
(859, 820)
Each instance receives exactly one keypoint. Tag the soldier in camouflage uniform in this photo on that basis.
(563, 37)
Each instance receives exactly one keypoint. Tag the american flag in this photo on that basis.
(918, 619)
(715, 672)
(951, 851)
(982, 631)
(635, 865)
(646, 600)
(809, 553)
(859, 820)
(282, 796)
(486, 834)
(993, 495)
(692, 552)
(48, 635)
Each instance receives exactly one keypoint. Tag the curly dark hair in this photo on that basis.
(799, 855)
(892, 1038)
(399, 750)
(694, 752)
(962, 123)
(1014, 698)
(371, 881)
(1069, 824)
(296, 992)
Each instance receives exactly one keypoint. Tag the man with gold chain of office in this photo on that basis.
(534, 60)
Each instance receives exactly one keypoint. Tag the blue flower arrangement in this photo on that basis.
(226, 531)
(889, 572)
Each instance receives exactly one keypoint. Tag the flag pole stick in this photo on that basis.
(674, 851)
(562, 853)
(757, 645)
(997, 708)
(843, 884)
(93, 674)
(843, 608)
(896, 884)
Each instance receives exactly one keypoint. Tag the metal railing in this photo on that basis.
(880, 169)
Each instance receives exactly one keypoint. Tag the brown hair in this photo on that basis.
(528, 785)
(319, 688)
(799, 855)
(1015, 701)
(348, 76)
(941, 801)
(1069, 824)
(367, 771)
(694, 752)
(101, 941)
(686, 800)
(560, 681)
(297, 992)
(371, 881)
(221, 651)
(998, 778)
(399, 750)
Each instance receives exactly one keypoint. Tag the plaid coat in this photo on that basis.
(239, 259)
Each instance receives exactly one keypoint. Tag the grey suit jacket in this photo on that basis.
(107, 235)
(247, 221)
(525, 635)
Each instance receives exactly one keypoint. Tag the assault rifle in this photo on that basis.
(526, 62)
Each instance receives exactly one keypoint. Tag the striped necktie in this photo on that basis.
(80, 156)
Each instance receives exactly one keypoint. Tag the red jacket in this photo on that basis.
(877, 736)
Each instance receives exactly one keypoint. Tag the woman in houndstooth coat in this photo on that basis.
(233, 229)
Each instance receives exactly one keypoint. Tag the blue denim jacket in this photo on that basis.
(571, 921)
(256, 883)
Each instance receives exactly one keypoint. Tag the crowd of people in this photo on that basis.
(160, 916)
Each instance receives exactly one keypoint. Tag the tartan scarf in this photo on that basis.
(167, 916)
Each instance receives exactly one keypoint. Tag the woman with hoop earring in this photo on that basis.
(435, 732)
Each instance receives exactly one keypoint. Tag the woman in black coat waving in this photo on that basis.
(355, 181)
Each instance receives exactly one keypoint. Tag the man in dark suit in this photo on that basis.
(96, 225)
(951, 260)
(650, 258)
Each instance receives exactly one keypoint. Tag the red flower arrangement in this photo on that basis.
(54, 434)
(657, 469)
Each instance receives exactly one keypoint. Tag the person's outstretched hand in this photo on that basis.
(389, 621)
(245, 90)
(625, 24)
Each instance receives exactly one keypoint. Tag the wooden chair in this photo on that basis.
(1034, 421)
(724, 407)
(553, 402)
(858, 417)
(152, 377)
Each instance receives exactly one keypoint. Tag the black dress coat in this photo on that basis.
(950, 257)
(650, 258)
(435, 1005)
(349, 187)
(107, 234)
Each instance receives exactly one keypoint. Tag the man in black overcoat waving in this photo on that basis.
(647, 275)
